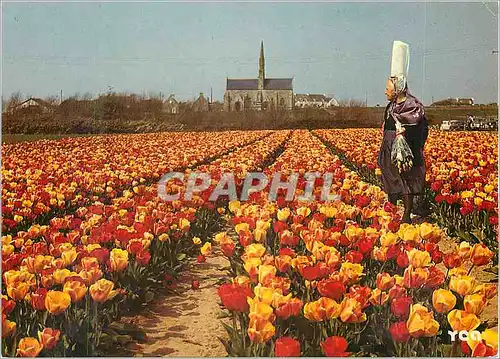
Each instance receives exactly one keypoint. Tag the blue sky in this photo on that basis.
(187, 48)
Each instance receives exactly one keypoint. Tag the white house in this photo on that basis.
(314, 100)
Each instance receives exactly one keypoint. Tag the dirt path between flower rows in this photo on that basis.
(186, 324)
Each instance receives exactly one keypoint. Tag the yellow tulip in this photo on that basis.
(466, 194)
(260, 309)
(206, 249)
(243, 226)
(255, 250)
(283, 214)
(461, 320)
(490, 338)
(266, 273)
(419, 259)
(351, 271)
(260, 330)
(60, 275)
(234, 206)
(443, 300)
(421, 322)
(489, 188)
(462, 285)
(57, 302)
(102, 290)
(251, 266)
(118, 259)
(464, 250)
(411, 234)
(304, 211)
(69, 257)
(196, 240)
(388, 239)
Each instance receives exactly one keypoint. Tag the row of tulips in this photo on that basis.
(345, 277)
(43, 179)
(462, 176)
(66, 281)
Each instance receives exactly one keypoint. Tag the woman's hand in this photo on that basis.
(400, 132)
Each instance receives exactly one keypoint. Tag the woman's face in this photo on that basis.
(390, 91)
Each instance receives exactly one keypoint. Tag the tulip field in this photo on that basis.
(87, 241)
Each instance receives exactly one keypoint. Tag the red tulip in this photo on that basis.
(331, 288)
(195, 284)
(335, 347)
(234, 297)
(286, 347)
(400, 306)
(399, 332)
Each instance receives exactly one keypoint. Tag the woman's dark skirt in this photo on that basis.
(411, 182)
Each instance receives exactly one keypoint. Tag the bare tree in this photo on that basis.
(52, 100)
(15, 99)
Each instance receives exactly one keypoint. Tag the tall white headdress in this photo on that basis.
(400, 64)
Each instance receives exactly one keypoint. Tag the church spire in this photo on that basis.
(262, 73)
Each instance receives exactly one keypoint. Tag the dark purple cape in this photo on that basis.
(410, 112)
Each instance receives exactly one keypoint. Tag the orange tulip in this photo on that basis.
(421, 322)
(57, 302)
(266, 273)
(488, 290)
(378, 297)
(474, 303)
(18, 291)
(481, 255)
(89, 263)
(102, 290)
(322, 309)
(351, 311)
(8, 328)
(92, 276)
(385, 281)
(69, 257)
(461, 320)
(60, 275)
(443, 300)
(75, 289)
(49, 338)
(29, 347)
(415, 277)
(260, 330)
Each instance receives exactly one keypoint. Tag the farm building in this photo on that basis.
(171, 105)
(258, 94)
(33, 104)
(311, 100)
(201, 104)
(455, 102)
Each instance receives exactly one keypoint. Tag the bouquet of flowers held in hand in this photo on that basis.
(401, 154)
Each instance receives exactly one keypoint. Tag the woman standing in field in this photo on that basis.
(404, 116)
